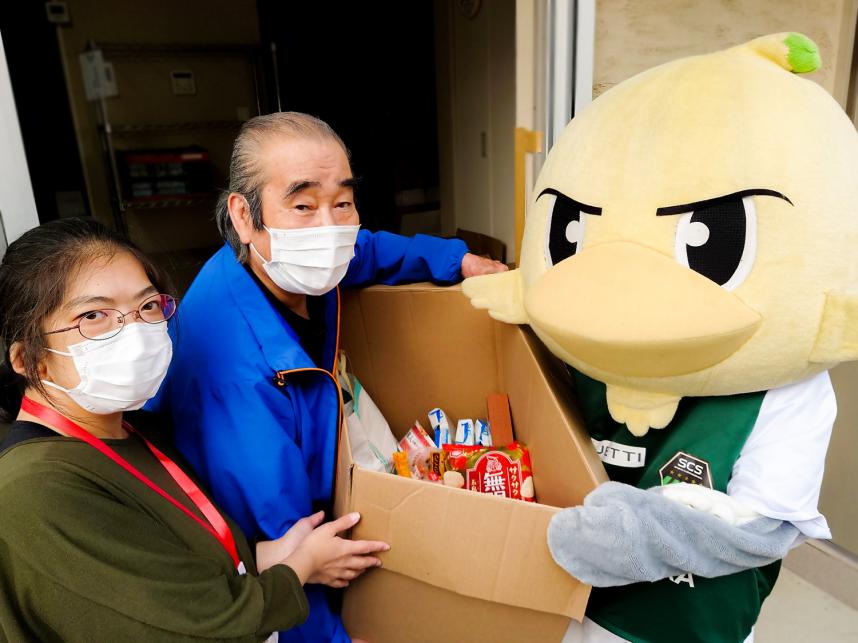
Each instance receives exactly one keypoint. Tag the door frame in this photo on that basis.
(569, 52)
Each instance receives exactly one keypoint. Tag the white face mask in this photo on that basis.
(309, 261)
(122, 372)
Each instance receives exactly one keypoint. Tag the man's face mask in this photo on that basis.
(309, 261)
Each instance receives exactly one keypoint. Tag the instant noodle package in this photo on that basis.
(500, 471)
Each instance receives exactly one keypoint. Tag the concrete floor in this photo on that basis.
(800, 612)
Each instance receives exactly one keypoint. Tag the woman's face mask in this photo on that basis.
(119, 373)
(309, 261)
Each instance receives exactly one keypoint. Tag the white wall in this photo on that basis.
(634, 36)
(477, 117)
(530, 81)
(17, 205)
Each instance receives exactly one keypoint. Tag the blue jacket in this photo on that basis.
(261, 435)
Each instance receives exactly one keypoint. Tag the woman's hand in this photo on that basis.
(323, 557)
(271, 552)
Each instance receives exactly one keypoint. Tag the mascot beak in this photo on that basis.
(626, 309)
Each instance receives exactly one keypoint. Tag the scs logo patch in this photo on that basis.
(684, 467)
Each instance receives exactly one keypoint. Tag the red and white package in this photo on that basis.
(500, 471)
(417, 444)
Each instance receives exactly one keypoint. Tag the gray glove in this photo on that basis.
(622, 535)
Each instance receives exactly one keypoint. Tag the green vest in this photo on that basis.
(686, 608)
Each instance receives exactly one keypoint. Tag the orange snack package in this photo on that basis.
(400, 464)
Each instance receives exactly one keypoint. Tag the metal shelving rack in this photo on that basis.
(109, 131)
(137, 128)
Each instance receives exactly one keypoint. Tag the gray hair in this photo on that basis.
(246, 174)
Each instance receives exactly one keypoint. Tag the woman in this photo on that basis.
(103, 536)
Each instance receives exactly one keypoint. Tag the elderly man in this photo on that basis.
(251, 391)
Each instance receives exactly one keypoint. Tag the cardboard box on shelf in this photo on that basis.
(463, 566)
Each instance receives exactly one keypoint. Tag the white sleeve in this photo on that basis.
(779, 470)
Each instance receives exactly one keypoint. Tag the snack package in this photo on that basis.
(454, 479)
(501, 471)
(416, 439)
(440, 427)
(465, 432)
(436, 465)
(417, 444)
(483, 433)
(400, 464)
(500, 419)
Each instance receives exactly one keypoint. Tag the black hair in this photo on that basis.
(34, 276)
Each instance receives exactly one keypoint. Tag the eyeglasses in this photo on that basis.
(108, 322)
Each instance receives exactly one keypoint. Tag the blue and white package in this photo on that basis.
(465, 432)
(440, 427)
(483, 434)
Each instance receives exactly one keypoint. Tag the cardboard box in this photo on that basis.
(463, 566)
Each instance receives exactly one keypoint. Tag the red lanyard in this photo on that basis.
(216, 525)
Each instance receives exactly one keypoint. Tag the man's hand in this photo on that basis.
(473, 266)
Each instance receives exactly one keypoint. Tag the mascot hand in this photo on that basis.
(622, 535)
(709, 501)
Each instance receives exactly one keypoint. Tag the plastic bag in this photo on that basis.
(370, 436)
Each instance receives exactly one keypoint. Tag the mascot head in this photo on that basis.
(694, 232)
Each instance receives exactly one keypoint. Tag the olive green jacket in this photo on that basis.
(89, 553)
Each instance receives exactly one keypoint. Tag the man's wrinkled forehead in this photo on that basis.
(293, 154)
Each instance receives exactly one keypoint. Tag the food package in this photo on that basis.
(483, 433)
(440, 427)
(400, 464)
(465, 432)
(500, 419)
(437, 465)
(501, 471)
(417, 444)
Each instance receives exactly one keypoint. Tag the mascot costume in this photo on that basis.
(690, 255)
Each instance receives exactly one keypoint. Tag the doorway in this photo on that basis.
(368, 70)
(423, 94)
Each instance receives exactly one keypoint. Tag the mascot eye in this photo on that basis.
(565, 229)
(719, 240)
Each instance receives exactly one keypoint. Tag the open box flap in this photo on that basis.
(407, 343)
(565, 464)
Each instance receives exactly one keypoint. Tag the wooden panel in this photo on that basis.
(634, 36)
